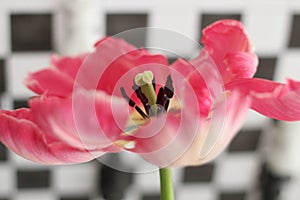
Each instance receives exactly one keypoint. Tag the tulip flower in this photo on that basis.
(123, 98)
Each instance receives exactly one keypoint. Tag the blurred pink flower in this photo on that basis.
(191, 125)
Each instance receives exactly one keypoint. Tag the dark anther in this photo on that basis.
(169, 89)
(153, 84)
(167, 102)
(142, 97)
(139, 110)
(132, 103)
(160, 100)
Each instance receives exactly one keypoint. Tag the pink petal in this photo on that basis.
(183, 66)
(111, 60)
(241, 65)
(275, 100)
(215, 133)
(68, 65)
(202, 92)
(224, 37)
(56, 81)
(94, 120)
(166, 137)
(204, 78)
(25, 138)
(50, 81)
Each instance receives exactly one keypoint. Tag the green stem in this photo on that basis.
(166, 184)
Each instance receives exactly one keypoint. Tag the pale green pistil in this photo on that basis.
(144, 81)
(144, 87)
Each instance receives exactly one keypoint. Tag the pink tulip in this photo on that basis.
(87, 107)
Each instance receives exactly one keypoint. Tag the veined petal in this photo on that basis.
(224, 37)
(168, 136)
(50, 81)
(90, 119)
(68, 65)
(216, 132)
(202, 92)
(202, 74)
(184, 67)
(117, 57)
(22, 136)
(275, 100)
(240, 65)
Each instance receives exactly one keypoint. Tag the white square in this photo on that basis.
(255, 120)
(24, 163)
(291, 190)
(148, 182)
(288, 66)
(35, 195)
(237, 171)
(35, 5)
(218, 6)
(196, 191)
(74, 179)
(174, 33)
(18, 68)
(267, 25)
(7, 180)
(4, 33)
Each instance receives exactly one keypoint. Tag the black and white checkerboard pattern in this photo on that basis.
(29, 35)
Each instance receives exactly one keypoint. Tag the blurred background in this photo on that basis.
(260, 164)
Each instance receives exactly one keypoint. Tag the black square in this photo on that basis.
(31, 32)
(232, 196)
(266, 68)
(246, 140)
(33, 179)
(75, 198)
(295, 32)
(20, 103)
(151, 197)
(209, 18)
(117, 23)
(3, 152)
(202, 173)
(2, 76)
(113, 184)
(171, 60)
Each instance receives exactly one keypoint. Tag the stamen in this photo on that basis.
(123, 92)
(169, 88)
(144, 82)
(167, 102)
(139, 110)
(142, 97)
(132, 103)
(153, 84)
(144, 87)
(160, 97)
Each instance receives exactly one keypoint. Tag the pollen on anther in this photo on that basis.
(129, 145)
(143, 78)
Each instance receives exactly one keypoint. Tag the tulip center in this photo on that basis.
(145, 89)
(153, 102)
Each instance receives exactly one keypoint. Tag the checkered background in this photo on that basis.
(30, 31)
